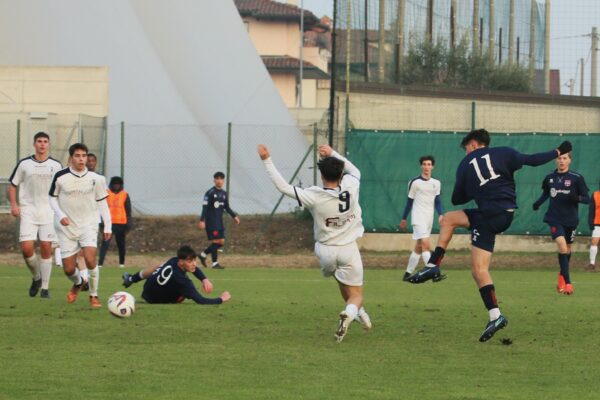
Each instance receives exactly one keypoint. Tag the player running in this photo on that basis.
(77, 195)
(168, 282)
(423, 197)
(215, 202)
(32, 176)
(485, 175)
(594, 223)
(566, 189)
(337, 224)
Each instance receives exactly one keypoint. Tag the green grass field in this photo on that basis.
(274, 340)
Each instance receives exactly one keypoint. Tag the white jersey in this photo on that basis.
(33, 178)
(336, 212)
(78, 194)
(423, 193)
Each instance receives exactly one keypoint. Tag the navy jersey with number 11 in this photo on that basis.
(486, 175)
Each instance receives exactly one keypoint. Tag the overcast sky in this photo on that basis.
(569, 18)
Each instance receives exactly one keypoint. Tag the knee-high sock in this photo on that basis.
(213, 251)
(45, 271)
(426, 256)
(94, 281)
(436, 257)
(33, 263)
(57, 257)
(488, 295)
(593, 254)
(75, 277)
(413, 261)
(563, 262)
(351, 311)
(85, 274)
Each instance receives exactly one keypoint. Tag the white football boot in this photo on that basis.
(343, 326)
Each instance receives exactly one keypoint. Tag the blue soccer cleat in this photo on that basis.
(35, 287)
(427, 273)
(127, 280)
(493, 327)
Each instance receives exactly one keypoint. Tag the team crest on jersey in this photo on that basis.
(551, 180)
(567, 182)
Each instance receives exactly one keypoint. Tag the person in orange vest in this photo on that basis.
(594, 222)
(120, 212)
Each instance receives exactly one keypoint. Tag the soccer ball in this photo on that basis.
(121, 304)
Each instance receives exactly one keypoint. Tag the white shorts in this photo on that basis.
(343, 262)
(30, 231)
(421, 231)
(596, 232)
(70, 244)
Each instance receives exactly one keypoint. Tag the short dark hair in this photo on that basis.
(185, 252)
(40, 135)
(92, 155)
(331, 168)
(427, 158)
(219, 174)
(77, 146)
(115, 180)
(481, 136)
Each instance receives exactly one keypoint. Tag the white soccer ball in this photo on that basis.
(121, 304)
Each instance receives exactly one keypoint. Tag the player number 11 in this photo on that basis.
(488, 162)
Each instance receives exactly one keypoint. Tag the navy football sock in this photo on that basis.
(563, 261)
(136, 277)
(213, 250)
(488, 295)
(437, 256)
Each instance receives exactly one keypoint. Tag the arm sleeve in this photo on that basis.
(190, 292)
(15, 177)
(56, 208)
(592, 213)
(459, 196)
(407, 208)
(349, 168)
(128, 209)
(199, 274)
(204, 207)
(228, 209)
(105, 215)
(101, 191)
(584, 193)
(284, 187)
(545, 194)
(438, 205)
(536, 159)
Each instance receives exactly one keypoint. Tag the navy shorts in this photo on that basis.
(484, 228)
(214, 234)
(568, 232)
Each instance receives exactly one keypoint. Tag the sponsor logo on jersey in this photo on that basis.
(337, 222)
(567, 182)
(555, 192)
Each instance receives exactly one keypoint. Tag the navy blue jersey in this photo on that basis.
(215, 202)
(565, 190)
(486, 176)
(170, 284)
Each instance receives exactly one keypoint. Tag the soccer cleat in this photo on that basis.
(492, 327)
(568, 289)
(85, 287)
(127, 280)
(45, 294)
(94, 302)
(406, 276)
(35, 287)
(74, 292)
(591, 267)
(217, 266)
(343, 325)
(427, 273)
(365, 321)
(560, 286)
(203, 260)
(121, 265)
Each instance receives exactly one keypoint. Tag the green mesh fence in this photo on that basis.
(388, 160)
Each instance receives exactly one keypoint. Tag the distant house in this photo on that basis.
(274, 28)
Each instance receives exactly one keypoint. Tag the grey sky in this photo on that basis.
(568, 18)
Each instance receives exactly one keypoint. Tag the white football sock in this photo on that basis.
(57, 257)
(361, 311)
(75, 277)
(85, 274)
(413, 261)
(215, 263)
(33, 263)
(593, 254)
(494, 313)
(45, 271)
(351, 311)
(426, 256)
(94, 281)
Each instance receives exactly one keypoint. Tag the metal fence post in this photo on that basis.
(473, 109)
(228, 172)
(18, 140)
(123, 149)
(315, 151)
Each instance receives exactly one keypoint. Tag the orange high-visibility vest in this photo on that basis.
(597, 204)
(116, 203)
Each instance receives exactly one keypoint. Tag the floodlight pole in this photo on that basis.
(333, 75)
(301, 74)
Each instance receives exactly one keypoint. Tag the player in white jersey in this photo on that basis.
(337, 220)
(32, 176)
(423, 197)
(76, 196)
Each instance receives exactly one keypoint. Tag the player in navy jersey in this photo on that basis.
(168, 282)
(566, 189)
(485, 175)
(215, 202)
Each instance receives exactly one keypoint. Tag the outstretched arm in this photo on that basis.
(545, 195)
(274, 174)
(349, 168)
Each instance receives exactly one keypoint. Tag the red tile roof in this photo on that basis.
(291, 64)
(270, 9)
